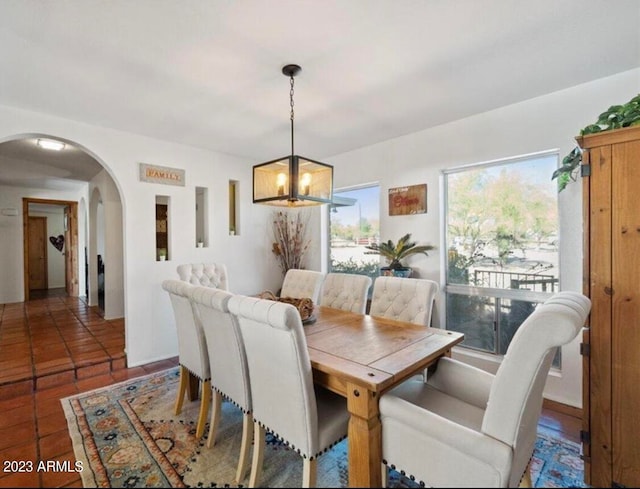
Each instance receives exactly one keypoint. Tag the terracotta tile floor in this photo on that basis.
(51, 348)
(56, 346)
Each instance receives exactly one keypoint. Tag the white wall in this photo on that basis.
(94, 243)
(109, 243)
(82, 242)
(100, 228)
(543, 123)
(150, 330)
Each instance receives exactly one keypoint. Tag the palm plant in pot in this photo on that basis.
(394, 253)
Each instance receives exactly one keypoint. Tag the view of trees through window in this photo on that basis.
(502, 247)
(355, 223)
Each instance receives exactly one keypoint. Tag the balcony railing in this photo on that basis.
(513, 280)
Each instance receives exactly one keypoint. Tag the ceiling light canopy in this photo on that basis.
(294, 180)
(50, 144)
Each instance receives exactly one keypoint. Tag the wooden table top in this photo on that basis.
(374, 352)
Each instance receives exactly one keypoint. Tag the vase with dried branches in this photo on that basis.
(290, 238)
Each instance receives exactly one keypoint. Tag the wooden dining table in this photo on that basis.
(361, 357)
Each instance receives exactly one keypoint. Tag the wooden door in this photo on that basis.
(70, 246)
(601, 446)
(625, 353)
(612, 266)
(37, 253)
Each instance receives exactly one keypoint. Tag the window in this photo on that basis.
(502, 247)
(354, 222)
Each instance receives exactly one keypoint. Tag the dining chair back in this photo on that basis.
(300, 284)
(467, 427)
(228, 365)
(345, 291)
(404, 299)
(205, 274)
(285, 401)
(193, 356)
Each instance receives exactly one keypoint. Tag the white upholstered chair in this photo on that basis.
(309, 419)
(205, 274)
(345, 291)
(300, 284)
(228, 362)
(466, 427)
(193, 356)
(404, 299)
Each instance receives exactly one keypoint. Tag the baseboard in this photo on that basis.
(562, 408)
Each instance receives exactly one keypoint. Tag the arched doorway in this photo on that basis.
(66, 179)
(81, 338)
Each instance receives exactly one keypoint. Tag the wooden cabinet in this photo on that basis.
(611, 385)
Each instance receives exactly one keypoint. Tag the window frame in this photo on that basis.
(329, 211)
(496, 294)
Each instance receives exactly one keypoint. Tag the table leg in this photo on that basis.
(365, 442)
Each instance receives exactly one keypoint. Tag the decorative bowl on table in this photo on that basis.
(304, 305)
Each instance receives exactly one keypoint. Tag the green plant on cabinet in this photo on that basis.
(615, 117)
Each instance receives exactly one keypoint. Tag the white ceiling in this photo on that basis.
(208, 73)
(24, 164)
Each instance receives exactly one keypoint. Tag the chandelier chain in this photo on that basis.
(291, 115)
(291, 96)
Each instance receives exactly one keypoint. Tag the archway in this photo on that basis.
(70, 175)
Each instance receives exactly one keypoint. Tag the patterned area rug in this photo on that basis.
(126, 435)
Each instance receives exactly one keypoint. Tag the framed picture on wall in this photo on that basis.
(408, 200)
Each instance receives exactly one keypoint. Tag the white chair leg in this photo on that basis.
(309, 472)
(247, 435)
(182, 389)
(215, 418)
(204, 408)
(259, 439)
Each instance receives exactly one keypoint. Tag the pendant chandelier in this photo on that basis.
(294, 180)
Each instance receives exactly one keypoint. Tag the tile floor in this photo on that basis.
(51, 348)
(56, 346)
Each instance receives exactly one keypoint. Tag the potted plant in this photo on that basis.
(615, 117)
(290, 238)
(394, 253)
(162, 254)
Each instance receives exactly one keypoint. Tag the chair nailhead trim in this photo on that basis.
(403, 473)
(297, 450)
(525, 469)
(227, 398)
(195, 374)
